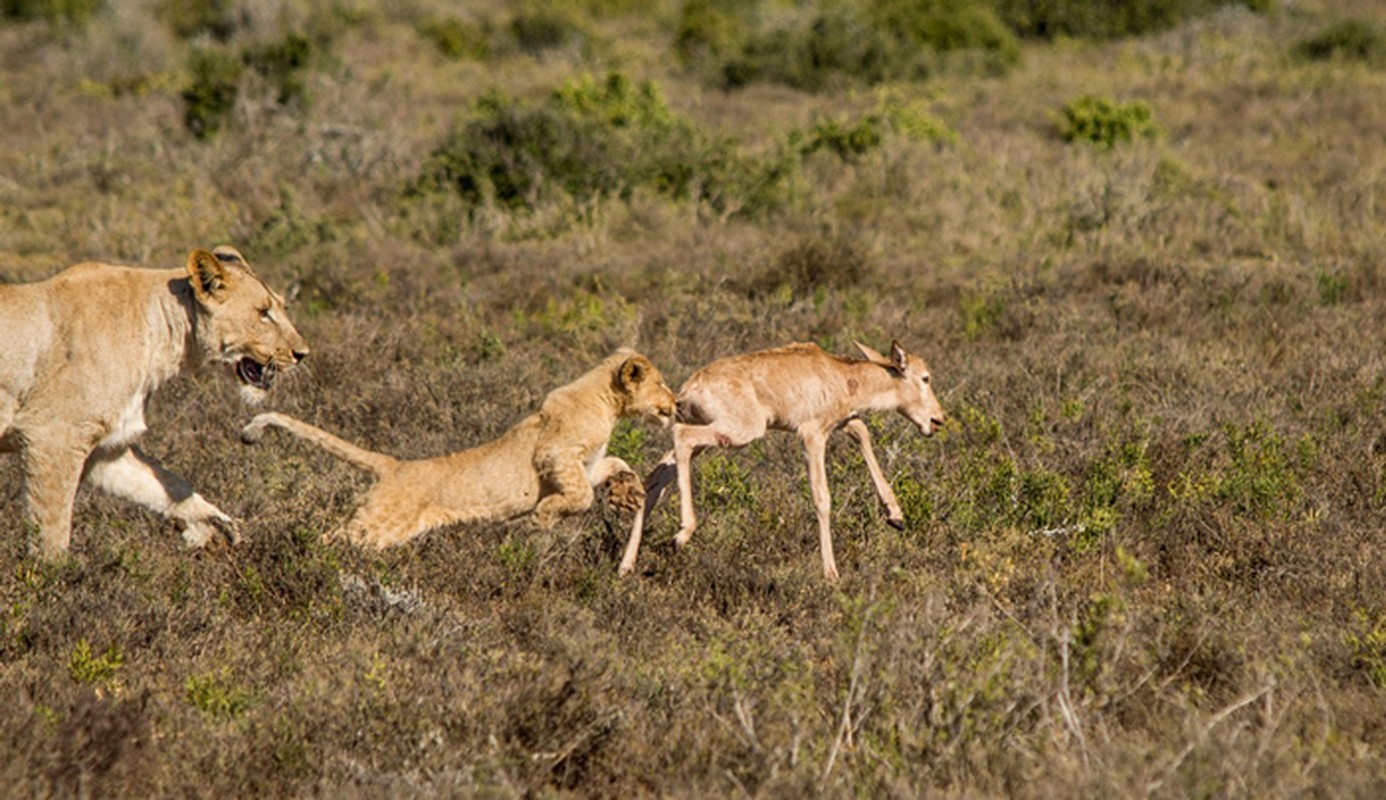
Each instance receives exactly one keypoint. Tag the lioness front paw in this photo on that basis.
(212, 531)
(625, 492)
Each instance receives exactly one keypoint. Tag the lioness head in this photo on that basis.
(645, 393)
(241, 322)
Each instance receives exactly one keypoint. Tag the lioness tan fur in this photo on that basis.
(733, 401)
(80, 354)
(547, 464)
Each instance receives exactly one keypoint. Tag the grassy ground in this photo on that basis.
(1144, 559)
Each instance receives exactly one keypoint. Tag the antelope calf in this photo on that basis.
(733, 401)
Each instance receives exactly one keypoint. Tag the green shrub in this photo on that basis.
(84, 667)
(1105, 19)
(824, 43)
(191, 18)
(541, 27)
(281, 63)
(216, 79)
(1368, 643)
(455, 39)
(710, 30)
(1103, 122)
(215, 695)
(829, 48)
(849, 139)
(948, 26)
(207, 101)
(813, 264)
(1349, 40)
(592, 139)
(73, 12)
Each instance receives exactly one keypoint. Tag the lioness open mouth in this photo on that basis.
(253, 373)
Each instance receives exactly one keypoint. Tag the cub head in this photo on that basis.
(241, 322)
(914, 392)
(643, 390)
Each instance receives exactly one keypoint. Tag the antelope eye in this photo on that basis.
(924, 379)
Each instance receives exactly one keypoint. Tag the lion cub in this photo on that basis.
(547, 464)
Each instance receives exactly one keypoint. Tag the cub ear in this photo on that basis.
(633, 371)
(872, 355)
(207, 275)
(898, 358)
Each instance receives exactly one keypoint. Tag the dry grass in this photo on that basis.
(1144, 560)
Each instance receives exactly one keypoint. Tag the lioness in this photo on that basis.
(83, 351)
(547, 464)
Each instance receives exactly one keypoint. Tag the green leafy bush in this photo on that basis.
(86, 667)
(1103, 122)
(1350, 39)
(1100, 19)
(216, 79)
(824, 43)
(950, 26)
(207, 101)
(281, 63)
(191, 18)
(831, 47)
(455, 39)
(542, 27)
(592, 139)
(710, 31)
(69, 11)
(851, 138)
(216, 695)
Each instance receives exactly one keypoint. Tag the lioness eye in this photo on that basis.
(265, 315)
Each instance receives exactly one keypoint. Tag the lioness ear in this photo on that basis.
(872, 355)
(207, 275)
(227, 254)
(633, 371)
(898, 358)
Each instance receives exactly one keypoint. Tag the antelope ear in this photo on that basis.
(207, 275)
(633, 372)
(872, 355)
(898, 358)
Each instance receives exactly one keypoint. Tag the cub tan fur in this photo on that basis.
(547, 464)
(84, 350)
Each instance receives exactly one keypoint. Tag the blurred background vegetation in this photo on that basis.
(1140, 243)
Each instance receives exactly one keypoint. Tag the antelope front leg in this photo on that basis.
(132, 475)
(814, 451)
(857, 430)
(654, 489)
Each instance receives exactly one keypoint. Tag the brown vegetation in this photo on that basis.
(1144, 558)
